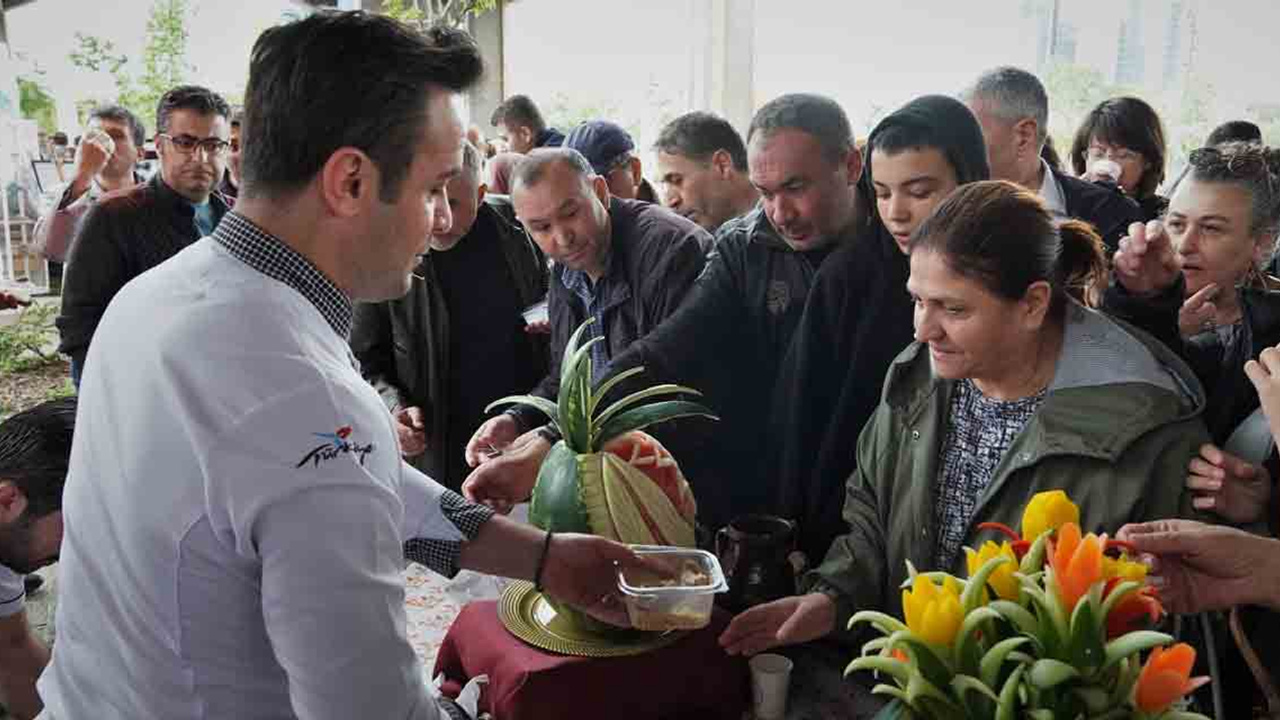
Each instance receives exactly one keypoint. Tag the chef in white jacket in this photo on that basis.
(237, 514)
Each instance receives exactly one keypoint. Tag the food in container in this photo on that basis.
(676, 592)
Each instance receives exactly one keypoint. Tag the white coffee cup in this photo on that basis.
(770, 678)
(1106, 169)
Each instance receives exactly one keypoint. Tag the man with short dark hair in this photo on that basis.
(1013, 109)
(729, 337)
(105, 162)
(625, 264)
(239, 551)
(440, 354)
(611, 152)
(131, 231)
(1234, 131)
(521, 125)
(230, 185)
(702, 169)
(34, 449)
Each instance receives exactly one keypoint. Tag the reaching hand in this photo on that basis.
(495, 434)
(1265, 375)
(1146, 262)
(95, 151)
(1220, 482)
(8, 301)
(1201, 567)
(411, 431)
(791, 620)
(582, 570)
(1199, 313)
(508, 477)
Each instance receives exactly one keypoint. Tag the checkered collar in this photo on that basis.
(270, 256)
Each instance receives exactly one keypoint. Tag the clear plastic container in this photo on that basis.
(679, 597)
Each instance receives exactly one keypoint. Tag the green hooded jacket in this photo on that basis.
(1116, 430)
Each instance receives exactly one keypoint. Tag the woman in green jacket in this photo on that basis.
(1011, 388)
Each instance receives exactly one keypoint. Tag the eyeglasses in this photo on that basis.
(186, 144)
(1118, 154)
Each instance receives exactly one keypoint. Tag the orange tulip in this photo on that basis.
(1165, 678)
(1076, 563)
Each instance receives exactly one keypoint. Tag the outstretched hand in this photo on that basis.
(1146, 263)
(791, 620)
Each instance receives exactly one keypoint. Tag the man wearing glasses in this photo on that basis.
(132, 231)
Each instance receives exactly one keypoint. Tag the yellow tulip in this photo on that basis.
(933, 612)
(1001, 578)
(1048, 511)
(1123, 568)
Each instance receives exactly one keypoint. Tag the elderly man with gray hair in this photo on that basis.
(1013, 108)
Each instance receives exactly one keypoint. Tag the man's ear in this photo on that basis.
(722, 162)
(1027, 130)
(853, 165)
(480, 193)
(13, 502)
(637, 171)
(600, 187)
(347, 180)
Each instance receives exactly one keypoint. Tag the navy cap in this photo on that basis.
(601, 143)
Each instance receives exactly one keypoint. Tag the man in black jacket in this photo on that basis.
(457, 340)
(1013, 108)
(131, 231)
(522, 127)
(730, 336)
(626, 264)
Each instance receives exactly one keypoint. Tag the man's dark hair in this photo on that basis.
(533, 167)
(698, 135)
(344, 79)
(520, 111)
(189, 97)
(819, 116)
(1235, 131)
(121, 114)
(35, 451)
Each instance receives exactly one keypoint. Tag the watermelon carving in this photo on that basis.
(605, 476)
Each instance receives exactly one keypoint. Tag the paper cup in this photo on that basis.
(1104, 169)
(770, 677)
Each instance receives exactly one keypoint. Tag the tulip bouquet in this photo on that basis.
(1050, 624)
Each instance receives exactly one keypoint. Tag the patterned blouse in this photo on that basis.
(979, 431)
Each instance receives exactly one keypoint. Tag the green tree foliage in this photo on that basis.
(422, 14)
(35, 103)
(164, 60)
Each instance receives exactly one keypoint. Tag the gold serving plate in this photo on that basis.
(529, 616)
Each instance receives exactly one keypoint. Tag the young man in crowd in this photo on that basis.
(104, 163)
(34, 448)
(238, 510)
(457, 341)
(230, 185)
(1013, 108)
(730, 336)
(611, 152)
(702, 170)
(133, 231)
(625, 264)
(521, 125)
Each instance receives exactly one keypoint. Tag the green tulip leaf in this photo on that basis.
(1129, 644)
(931, 665)
(602, 392)
(1088, 632)
(967, 655)
(637, 397)
(1095, 699)
(1048, 673)
(989, 668)
(1020, 617)
(1033, 561)
(974, 591)
(642, 417)
(1007, 707)
(1118, 594)
(881, 621)
(894, 668)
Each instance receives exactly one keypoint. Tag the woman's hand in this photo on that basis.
(1222, 483)
(1199, 313)
(791, 620)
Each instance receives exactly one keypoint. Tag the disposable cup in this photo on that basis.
(770, 678)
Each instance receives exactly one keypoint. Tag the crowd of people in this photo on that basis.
(285, 356)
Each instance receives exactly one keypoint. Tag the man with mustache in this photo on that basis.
(132, 231)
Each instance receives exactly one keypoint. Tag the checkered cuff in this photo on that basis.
(441, 556)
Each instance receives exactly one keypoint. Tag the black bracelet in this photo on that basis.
(549, 433)
(542, 563)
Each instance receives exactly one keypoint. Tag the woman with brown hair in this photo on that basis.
(1127, 132)
(1011, 387)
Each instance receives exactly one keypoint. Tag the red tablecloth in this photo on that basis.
(691, 678)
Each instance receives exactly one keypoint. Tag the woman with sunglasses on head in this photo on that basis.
(1122, 141)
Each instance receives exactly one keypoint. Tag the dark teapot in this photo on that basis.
(754, 552)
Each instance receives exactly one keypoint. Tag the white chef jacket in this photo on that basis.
(236, 505)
